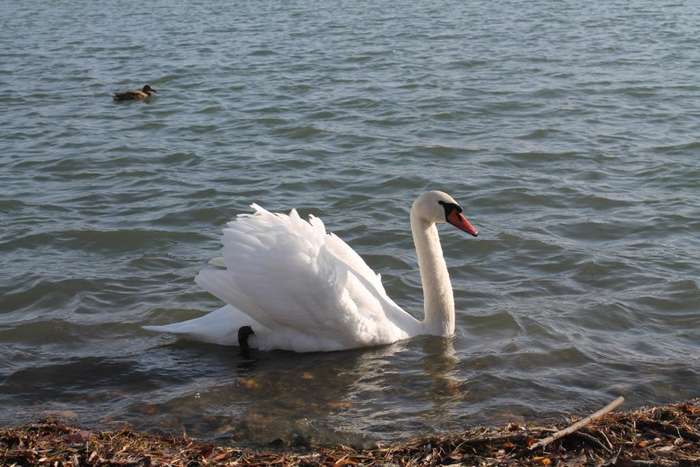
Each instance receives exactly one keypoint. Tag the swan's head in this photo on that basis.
(438, 207)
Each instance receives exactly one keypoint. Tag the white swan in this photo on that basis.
(299, 288)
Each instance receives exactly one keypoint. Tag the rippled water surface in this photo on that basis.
(568, 130)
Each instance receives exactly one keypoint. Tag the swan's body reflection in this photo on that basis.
(440, 362)
(322, 398)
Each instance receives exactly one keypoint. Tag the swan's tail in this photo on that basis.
(218, 327)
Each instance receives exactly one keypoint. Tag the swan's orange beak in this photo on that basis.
(462, 223)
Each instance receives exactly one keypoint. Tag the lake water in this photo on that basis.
(569, 131)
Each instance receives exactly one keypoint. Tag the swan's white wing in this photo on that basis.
(296, 280)
(341, 250)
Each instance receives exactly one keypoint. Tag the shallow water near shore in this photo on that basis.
(570, 136)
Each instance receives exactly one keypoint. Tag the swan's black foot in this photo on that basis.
(244, 332)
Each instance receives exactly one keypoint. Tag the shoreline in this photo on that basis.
(665, 435)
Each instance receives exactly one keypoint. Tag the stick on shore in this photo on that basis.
(578, 425)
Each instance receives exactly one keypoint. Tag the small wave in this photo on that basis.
(297, 88)
(544, 156)
(391, 121)
(601, 315)
(272, 121)
(215, 216)
(602, 203)
(40, 293)
(262, 53)
(499, 323)
(450, 116)
(155, 263)
(679, 297)
(640, 91)
(299, 132)
(356, 103)
(78, 376)
(539, 134)
(512, 107)
(125, 177)
(323, 115)
(359, 58)
(10, 205)
(139, 158)
(528, 243)
(185, 158)
(401, 182)
(201, 129)
(446, 152)
(210, 109)
(548, 93)
(565, 357)
(687, 148)
(507, 199)
(91, 240)
(467, 64)
(601, 273)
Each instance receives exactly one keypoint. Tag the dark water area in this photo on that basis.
(568, 131)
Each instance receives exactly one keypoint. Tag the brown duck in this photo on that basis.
(138, 95)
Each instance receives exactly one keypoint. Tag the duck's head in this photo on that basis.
(438, 207)
(148, 89)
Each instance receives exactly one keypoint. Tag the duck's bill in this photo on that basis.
(462, 223)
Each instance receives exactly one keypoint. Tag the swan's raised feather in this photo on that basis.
(293, 277)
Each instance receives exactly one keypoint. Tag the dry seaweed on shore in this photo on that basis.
(665, 436)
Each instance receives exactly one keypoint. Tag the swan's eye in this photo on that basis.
(449, 207)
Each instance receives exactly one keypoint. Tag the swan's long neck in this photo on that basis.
(438, 302)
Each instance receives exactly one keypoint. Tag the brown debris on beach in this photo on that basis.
(662, 436)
